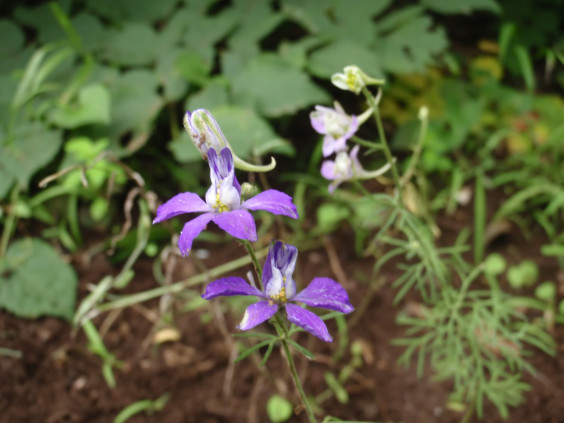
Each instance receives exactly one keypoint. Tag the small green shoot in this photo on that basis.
(279, 409)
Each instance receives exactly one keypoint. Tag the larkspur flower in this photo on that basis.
(346, 167)
(223, 204)
(353, 79)
(279, 290)
(204, 131)
(206, 135)
(336, 125)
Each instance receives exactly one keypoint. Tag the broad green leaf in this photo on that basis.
(35, 281)
(134, 44)
(192, 66)
(274, 88)
(325, 61)
(30, 147)
(90, 30)
(173, 83)
(135, 101)
(246, 130)
(408, 41)
(279, 409)
(213, 95)
(92, 106)
(460, 7)
(43, 21)
(12, 38)
(182, 148)
(127, 10)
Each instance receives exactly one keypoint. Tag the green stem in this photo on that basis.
(254, 259)
(10, 221)
(283, 331)
(177, 287)
(383, 141)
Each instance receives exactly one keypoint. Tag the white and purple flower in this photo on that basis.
(336, 125)
(346, 167)
(280, 291)
(223, 204)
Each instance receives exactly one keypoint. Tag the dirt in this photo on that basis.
(57, 379)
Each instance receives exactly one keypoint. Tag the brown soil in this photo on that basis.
(57, 379)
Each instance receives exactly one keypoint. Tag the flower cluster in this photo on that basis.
(225, 206)
(279, 290)
(338, 127)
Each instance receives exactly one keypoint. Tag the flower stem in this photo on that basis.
(283, 331)
(258, 267)
(383, 141)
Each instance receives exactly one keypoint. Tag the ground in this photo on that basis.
(57, 379)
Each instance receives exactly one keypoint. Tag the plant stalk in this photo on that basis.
(383, 141)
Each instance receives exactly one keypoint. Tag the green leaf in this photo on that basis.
(134, 44)
(193, 66)
(522, 275)
(338, 389)
(92, 106)
(252, 349)
(546, 291)
(325, 61)
(309, 355)
(170, 78)
(408, 41)
(279, 409)
(35, 281)
(30, 147)
(135, 102)
(246, 131)
(495, 264)
(274, 88)
(213, 95)
(12, 38)
(460, 7)
(126, 10)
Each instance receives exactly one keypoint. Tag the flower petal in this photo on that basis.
(272, 201)
(191, 230)
(267, 268)
(238, 223)
(308, 321)
(187, 202)
(227, 287)
(256, 314)
(325, 293)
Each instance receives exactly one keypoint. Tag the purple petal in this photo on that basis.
(191, 230)
(238, 223)
(186, 202)
(267, 268)
(325, 293)
(308, 321)
(227, 287)
(256, 314)
(328, 145)
(272, 201)
(328, 169)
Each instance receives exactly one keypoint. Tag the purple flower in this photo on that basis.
(223, 204)
(280, 290)
(336, 125)
(346, 167)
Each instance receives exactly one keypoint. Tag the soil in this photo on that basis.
(57, 379)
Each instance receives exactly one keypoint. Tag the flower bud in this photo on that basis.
(204, 131)
(354, 79)
(206, 135)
